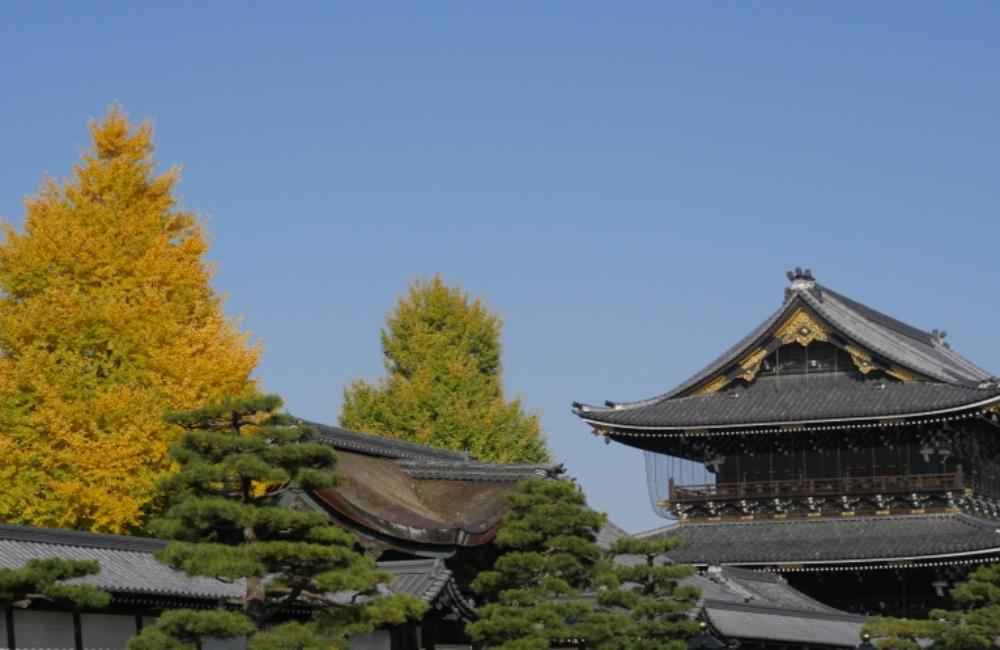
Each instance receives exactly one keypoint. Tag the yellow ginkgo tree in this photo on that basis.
(107, 321)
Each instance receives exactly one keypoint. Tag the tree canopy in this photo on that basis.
(42, 580)
(107, 320)
(444, 385)
(644, 606)
(977, 626)
(237, 460)
(549, 557)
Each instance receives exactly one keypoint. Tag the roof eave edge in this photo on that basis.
(597, 424)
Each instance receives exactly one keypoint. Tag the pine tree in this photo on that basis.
(42, 580)
(978, 626)
(644, 606)
(107, 320)
(549, 556)
(444, 386)
(237, 459)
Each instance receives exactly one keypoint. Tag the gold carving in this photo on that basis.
(902, 374)
(861, 358)
(802, 328)
(751, 365)
(713, 386)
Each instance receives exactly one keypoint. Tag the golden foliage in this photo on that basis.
(107, 320)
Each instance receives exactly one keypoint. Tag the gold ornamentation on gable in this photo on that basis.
(713, 386)
(861, 358)
(801, 328)
(902, 374)
(751, 365)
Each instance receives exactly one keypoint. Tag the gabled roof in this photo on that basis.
(430, 581)
(855, 540)
(908, 359)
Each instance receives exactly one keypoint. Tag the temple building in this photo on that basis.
(853, 454)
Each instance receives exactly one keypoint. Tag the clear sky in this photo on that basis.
(626, 183)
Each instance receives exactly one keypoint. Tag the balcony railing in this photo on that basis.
(818, 487)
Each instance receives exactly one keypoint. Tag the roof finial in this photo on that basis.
(938, 338)
(801, 279)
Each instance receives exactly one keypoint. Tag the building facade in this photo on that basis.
(854, 454)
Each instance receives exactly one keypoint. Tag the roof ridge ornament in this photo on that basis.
(800, 280)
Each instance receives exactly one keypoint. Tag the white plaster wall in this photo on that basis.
(106, 631)
(377, 640)
(37, 630)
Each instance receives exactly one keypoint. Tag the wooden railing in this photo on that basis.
(817, 487)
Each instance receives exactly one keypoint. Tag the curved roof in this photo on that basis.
(936, 377)
(415, 498)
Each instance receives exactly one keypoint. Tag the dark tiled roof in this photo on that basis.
(424, 579)
(745, 586)
(758, 606)
(423, 462)
(756, 623)
(430, 581)
(385, 447)
(798, 398)
(824, 540)
(127, 563)
(896, 342)
(128, 567)
(608, 534)
(470, 471)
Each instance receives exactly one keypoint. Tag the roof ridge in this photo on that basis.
(785, 611)
(819, 520)
(80, 538)
(712, 366)
(381, 445)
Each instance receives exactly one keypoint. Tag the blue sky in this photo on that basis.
(626, 183)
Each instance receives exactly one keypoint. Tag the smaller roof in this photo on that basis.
(127, 563)
(760, 623)
(832, 540)
(430, 581)
(128, 567)
(759, 606)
